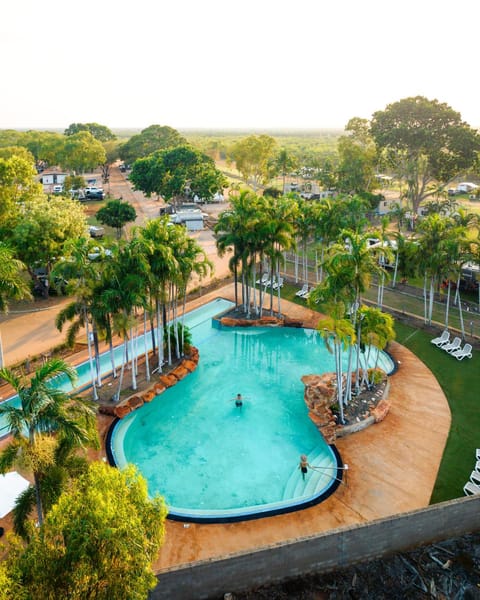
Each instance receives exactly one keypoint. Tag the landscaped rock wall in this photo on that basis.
(320, 394)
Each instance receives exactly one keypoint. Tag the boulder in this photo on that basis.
(135, 402)
(180, 372)
(380, 411)
(148, 396)
(168, 380)
(190, 365)
(107, 409)
(158, 388)
(122, 410)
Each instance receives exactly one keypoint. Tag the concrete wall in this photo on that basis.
(320, 553)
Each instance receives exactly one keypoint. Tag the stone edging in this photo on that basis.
(125, 407)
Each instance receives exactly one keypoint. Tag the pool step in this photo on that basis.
(314, 481)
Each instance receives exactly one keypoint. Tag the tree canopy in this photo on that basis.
(254, 158)
(426, 141)
(99, 132)
(151, 139)
(170, 173)
(82, 152)
(46, 224)
(117, 214)
(98, 541)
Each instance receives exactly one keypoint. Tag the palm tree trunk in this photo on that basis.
(338, 363)
(447, 307)
(122, 370)
(147, 363)
(132, 360)
(460, 310)
(90, 358)
(38, 498)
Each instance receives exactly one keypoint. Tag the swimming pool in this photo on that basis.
(213, 461)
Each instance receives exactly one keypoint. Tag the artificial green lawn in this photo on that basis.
(460, 381)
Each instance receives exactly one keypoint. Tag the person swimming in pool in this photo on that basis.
(239, 401)
(304, 465)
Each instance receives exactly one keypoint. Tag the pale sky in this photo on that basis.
(254, 64)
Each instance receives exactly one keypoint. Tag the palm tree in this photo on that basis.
(46, 415)
(377, 330)
(12, 284)
(81, 266)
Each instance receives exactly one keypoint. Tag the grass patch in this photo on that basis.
(460, 381)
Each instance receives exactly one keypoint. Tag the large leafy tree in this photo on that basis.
(17, 185)
(357, 152)
(254, 158)
(82, 152)
(99, 132)
(45, 416)
(149, 140)
(426, 142)
(99, 541)
(45, 226)
(170, 172)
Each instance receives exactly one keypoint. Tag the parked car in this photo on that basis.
(57, 189)
(94, 193)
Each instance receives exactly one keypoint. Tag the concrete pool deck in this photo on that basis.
(393, 466)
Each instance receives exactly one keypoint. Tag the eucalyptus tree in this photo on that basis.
(426, 142)
(46, 416)
(254, 157)
(12, 285)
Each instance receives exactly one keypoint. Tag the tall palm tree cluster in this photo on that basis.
(114, 288)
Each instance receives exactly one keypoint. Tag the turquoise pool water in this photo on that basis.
(209, 458)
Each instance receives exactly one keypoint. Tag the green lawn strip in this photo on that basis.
(460, 381)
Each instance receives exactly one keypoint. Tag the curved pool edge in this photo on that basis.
(237, 515)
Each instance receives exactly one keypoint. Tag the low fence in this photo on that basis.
(320, 553)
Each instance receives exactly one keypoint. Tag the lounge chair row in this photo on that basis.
(267, 282)
(472, 487)
(453, 347)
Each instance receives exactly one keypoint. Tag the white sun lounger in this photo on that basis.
(475, 478)
(442, 339)
(263, 280)
(303, 291)
(278, 284)
(470, 489)
(461, 353)
(270, 282)
(457, 342)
